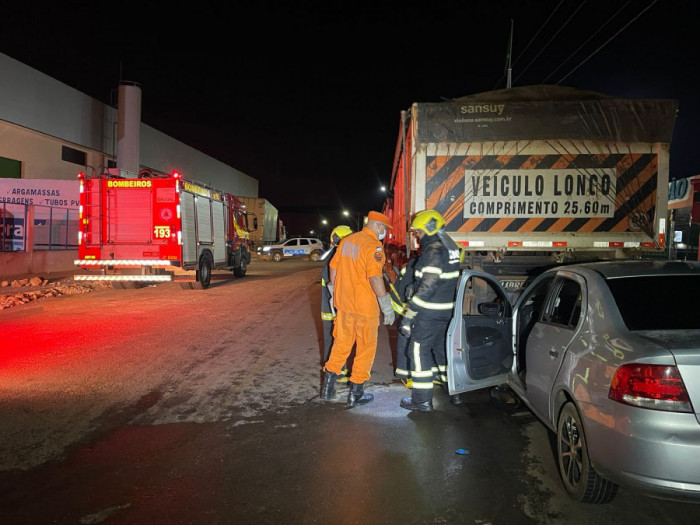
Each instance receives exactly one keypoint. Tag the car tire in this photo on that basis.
(277, 257)
(204, 273)
(581, 481)
(314, 256)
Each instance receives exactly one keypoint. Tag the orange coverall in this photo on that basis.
(358, 257)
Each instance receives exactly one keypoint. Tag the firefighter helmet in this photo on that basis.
(429, 221)
(339, 232)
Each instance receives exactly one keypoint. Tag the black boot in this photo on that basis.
(357, 395)
(328, 386)
(420, 400)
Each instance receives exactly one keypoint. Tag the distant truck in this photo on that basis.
(534, 176)
(270, 228)
(153, 228)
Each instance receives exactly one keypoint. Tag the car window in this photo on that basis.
(481, 297)
(565, 306)
(662, 302)
(532, 308)
(304, 242)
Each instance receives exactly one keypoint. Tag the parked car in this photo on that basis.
(607, 355)
(297, 247)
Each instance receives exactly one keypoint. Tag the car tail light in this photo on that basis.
(658, 387)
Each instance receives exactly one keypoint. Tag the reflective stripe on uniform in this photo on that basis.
(432, 306)
(438, 272)
(398, 308)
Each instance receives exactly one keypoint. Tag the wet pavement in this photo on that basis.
(167, 406)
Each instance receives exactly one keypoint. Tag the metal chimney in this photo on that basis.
(128, 129)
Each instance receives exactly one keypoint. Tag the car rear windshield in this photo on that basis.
(667, 302)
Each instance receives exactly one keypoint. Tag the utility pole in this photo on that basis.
(509, 64)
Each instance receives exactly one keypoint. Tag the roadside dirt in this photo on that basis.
(22, 291)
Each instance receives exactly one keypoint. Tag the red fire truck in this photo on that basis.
(156, 227)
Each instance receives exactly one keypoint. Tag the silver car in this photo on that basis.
(607, 355)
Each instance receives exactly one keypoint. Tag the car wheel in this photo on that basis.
(204, 273)
(314, 256)
(277, 257)
(580, 480)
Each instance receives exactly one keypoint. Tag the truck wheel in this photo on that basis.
(240, 270)
(277, 257)
(581, 481)
(204, 273)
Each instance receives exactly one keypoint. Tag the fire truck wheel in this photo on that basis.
(204, 272)
(240, 270)
(277, 256)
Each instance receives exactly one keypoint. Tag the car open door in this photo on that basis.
(480, 347)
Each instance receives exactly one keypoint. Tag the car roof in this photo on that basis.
(639, 268)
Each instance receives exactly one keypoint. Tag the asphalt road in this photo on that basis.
(163, 405)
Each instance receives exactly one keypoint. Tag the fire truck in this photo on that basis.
(153, 227)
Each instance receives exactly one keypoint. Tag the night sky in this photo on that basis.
(305, 96)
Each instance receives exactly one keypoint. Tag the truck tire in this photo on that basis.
(204, 273)
(277, 256)
(239, 271)
(315, 256)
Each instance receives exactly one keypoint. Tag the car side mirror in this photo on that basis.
(490, 309)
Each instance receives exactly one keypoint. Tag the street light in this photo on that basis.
(355, 217)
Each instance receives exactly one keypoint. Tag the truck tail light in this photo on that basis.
(657, 387)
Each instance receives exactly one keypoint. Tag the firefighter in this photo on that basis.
(327, 308)
(359, 297)
(429, 311)
(401, 294)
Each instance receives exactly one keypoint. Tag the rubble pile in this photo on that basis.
(21, 291)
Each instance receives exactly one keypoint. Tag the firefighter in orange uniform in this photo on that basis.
(359, 294)
(327, 309)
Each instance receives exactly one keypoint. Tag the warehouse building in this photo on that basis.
(48, 133)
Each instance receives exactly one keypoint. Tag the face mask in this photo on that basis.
(383, 234)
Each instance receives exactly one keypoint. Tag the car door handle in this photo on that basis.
(553, 352)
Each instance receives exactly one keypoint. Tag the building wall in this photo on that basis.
(39, 115)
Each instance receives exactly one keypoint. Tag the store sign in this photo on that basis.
(41, 192)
